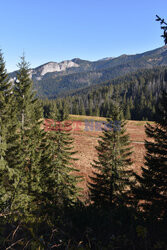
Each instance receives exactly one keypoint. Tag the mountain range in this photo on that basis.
(54, 79)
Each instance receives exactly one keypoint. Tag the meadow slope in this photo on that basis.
(85, 134)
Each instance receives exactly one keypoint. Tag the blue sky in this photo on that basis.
(56, 30)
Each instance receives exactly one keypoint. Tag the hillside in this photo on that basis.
(58, 79)
(138, 94)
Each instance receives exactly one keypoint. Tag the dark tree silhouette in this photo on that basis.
(163, 27)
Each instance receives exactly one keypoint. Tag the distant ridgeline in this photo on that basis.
(56, 80)
(137, 93)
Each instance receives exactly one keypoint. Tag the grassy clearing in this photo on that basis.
(84, 117)
(96, 118)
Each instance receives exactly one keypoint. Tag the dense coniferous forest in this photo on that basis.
(137, 93)
(41, 205)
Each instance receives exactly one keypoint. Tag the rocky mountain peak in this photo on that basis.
(54, 67)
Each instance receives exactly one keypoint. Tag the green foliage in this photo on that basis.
(138, 95)
(10, 157)
(29, 114)
(112, 176)
(62, 170)
(4, 112)
(153, 181)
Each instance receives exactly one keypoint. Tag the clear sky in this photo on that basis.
(57, 30)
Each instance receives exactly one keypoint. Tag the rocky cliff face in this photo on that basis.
(54, 67)
(51, 67)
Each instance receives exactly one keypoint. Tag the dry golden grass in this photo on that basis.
(84, 117)
(85, 142)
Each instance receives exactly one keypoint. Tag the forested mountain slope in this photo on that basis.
(54, 79)
(138, 94)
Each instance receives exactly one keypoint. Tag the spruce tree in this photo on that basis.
(151, 192)
(127, 112)
(82, 109)
(112, 176)
(5, 89)
(29, 115)
(10, 153)
(152, 184)
(61, 183)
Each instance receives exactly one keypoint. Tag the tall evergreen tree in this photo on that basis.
(82, 108)
(10, 154)
(152, 184)
(127, 112)
(151, 192)
(29, 115)
(61, 182)
(112, 176)
(5, 89)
